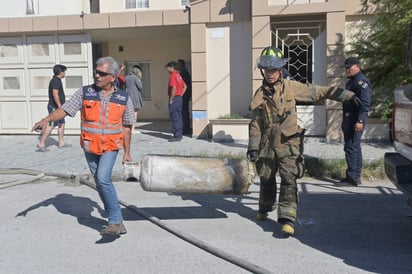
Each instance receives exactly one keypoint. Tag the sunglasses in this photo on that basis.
(101, 73)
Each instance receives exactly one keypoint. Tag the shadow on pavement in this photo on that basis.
(369, 231)
(80, 208)
(237, 204)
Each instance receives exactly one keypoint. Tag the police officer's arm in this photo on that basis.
(364, 97)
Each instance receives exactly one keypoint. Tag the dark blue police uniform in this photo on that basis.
(361, 86)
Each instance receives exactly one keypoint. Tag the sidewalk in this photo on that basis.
(19, 150)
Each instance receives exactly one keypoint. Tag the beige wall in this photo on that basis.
(157, 52)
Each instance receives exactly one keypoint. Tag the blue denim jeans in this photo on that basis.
(101, 167)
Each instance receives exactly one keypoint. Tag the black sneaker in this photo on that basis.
(357, 182)
(345, 181)
(175, 139)
(354, 182)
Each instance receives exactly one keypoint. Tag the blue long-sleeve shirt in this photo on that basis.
(361, 86)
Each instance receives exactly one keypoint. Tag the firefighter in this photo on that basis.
(276, 140)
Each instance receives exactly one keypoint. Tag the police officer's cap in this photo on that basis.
(350, 62)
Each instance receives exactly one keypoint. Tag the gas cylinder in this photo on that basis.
(188, 174)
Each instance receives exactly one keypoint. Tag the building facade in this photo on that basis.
(219, 39)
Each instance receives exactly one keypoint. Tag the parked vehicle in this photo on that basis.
(398, 165)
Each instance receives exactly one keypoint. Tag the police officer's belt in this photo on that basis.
(347, 114)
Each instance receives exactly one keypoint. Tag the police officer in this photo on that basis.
(354, 120)
(276, 140)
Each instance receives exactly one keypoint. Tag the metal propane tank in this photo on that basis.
(166, 173)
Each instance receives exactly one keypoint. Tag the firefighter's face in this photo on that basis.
(272, 75)
(103, 78)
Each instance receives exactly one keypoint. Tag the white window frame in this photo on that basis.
(50, 40)
(15, 41)
(19, 74)
(82, 57)
(138, 4)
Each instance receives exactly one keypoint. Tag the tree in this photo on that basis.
(384, 47)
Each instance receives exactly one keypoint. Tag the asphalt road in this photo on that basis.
(51, 225)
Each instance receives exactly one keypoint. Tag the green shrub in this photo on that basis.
(336, 168)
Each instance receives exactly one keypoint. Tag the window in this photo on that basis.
(72, 48)
(41, 82)
(41, 49)
(8, 50)
(74, 82)
(146, 94)
(133, 4)
(11, 83)
(185, 3)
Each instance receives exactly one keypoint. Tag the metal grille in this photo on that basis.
(298, 43)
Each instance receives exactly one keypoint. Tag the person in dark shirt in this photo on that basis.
(56, 100)
(187, 96)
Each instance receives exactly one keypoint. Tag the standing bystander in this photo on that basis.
(106, 120)
(175, 90)
(134, 87)
(354, 120)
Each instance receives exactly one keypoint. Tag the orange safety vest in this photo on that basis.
(101, 125)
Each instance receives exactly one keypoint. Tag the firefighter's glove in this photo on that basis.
(252, 155)
(355, 101)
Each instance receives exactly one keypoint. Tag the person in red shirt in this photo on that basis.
(175, 90)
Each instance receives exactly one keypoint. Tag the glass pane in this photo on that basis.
(130, 4)
(146, 94)
(41, 82)
(8, 51)
(142, 3)
(72, 48)
(40, 49)
(185, 2)
(11, 82)
(74, 82)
